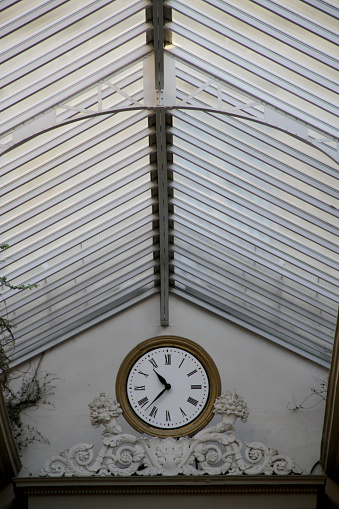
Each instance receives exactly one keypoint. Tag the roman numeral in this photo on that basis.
(153, 412)
(141, 387)
(183, 413)
(192, 372)
(143, 401)
(181, 363)
(195, 386)
(167, 359)
(152, 361)
(192, 401)
(168, 416)
(141, 373)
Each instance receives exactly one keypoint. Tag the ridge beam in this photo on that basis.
(160, 118)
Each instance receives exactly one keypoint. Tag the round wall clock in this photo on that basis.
(167, 386)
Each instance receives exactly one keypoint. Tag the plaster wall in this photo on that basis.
(270, 379)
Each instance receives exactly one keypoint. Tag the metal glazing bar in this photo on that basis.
(222, 123)
(278, 314)
(76, 16)
(163, 213)
(76, 206)
(94, 237)
(268, 194)
(70, 92)
(299, 128)
(254, 257)
(77, 129)
(251, 174)
(30, 16)
(229, 259)
(81, 63)
(77, 237)
(255, 93)
(244, 233)
(326, 7)
(72, 226)
(302, 21)
(260, 325)
(242, 39)
(125, 299)
(101, 301)
(255, 69)
(85, 280)
(137, 230)
(261, 288)
(259, 224)
(97, 294)
(274, 32)
(76, 170)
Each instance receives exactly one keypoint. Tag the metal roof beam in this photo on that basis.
(163, 213)
(40, 109)
(161, 147)
(158, 43)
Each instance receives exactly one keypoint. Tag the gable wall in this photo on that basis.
(268, 377)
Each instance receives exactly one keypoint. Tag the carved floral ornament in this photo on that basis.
(214, 450)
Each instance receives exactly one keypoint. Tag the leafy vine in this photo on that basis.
(34, 386)
(316, 396)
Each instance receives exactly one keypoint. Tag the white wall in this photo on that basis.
(266, 375)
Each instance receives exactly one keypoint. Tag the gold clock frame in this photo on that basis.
(168, 341)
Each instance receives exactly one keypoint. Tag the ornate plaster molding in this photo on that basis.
(213, 451)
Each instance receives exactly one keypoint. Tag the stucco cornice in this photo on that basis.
(308, 484)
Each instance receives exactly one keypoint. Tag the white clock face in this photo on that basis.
(167, 387)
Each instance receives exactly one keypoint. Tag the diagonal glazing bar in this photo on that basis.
(235, 35)
(303, 21)
(74, 42)
(274, 32)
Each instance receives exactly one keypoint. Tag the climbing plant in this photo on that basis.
(32, 387)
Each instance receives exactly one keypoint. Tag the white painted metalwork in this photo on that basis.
(173, 147)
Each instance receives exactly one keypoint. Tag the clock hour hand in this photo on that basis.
(167, 387)
(161, 378)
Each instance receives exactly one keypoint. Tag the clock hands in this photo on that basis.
(161, 378)
(167, 388)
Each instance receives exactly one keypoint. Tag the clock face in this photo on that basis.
(167, 386)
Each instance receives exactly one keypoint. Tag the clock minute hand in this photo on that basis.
(167, 388)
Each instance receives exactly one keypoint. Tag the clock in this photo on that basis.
(167, 386)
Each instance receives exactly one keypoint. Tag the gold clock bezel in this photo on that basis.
(168, 341)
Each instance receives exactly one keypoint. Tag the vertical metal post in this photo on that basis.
(158, 41)
(163, 213)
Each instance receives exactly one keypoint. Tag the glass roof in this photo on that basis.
(186, 148)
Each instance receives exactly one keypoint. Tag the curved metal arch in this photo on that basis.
(153, 109)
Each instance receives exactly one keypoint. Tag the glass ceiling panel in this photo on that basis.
(250, 231)
(79, 222)
(254, 209)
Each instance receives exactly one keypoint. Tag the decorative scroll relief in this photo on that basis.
(214, 450)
